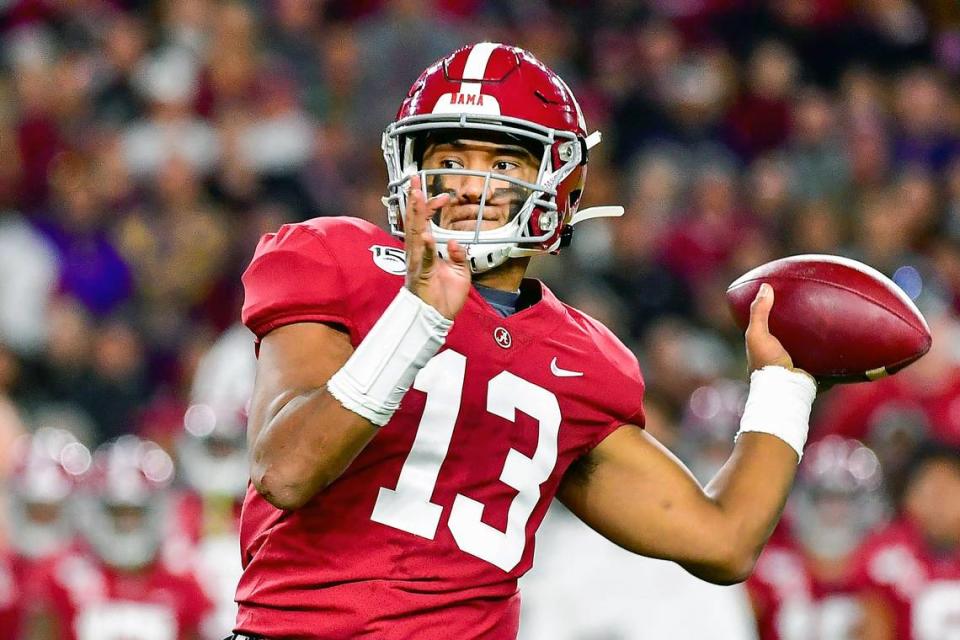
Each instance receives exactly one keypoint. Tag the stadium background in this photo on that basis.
(145, 146)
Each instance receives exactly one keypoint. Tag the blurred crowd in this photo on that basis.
(146, 146)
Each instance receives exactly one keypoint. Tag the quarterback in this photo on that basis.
(419, 403)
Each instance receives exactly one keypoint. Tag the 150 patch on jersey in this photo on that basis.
(390, 259)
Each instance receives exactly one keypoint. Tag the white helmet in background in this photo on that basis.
(838, 498)
(212, 450)
(124, 501)
(46, 466)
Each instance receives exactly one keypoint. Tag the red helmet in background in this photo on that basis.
(124, 501)
(495, 89)
(46, 467)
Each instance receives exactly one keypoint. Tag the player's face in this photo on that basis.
(933, 500)
(127, 519)
(503, 199)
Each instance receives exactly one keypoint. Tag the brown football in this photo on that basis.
(840, 320)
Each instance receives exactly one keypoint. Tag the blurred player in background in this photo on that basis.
(422, 528)
(802, 587)
(12, 596)
(909, 572)
(46, 466)
(117, 586)
(212, 454)
(637, 597)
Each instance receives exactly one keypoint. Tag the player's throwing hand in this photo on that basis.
(443, 284)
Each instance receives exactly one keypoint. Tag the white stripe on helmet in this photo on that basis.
(476, 66)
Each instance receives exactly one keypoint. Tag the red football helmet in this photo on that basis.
(45, 471)
(495, 89)
(124, 501)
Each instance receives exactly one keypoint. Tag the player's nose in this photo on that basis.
(471, 188)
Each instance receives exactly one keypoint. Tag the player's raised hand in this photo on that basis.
(443, 284)
(763, 348)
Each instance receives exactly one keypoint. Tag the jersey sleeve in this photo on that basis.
(294, 277)
(622, 374)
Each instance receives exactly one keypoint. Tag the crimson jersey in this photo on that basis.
(93, 601)
(427, 531)
(204, 539)
(920, 587)
(12, 598)
(791, 603)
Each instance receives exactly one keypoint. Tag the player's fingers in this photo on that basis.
(438, 202)
(429, 254)
(415, 200)
(458, 255)
(760, 311)
(424, 213)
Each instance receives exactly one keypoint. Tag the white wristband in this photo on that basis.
(373, 381)
(779, 403)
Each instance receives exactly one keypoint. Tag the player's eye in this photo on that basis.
(450, 163)
(503, 166)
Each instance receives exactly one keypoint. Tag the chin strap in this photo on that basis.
(610, 211)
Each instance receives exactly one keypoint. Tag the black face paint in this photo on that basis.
(516, 197)
(512, 196)
(436, 187)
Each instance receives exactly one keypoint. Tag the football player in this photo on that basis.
(802, 587)
(117, 589)
(212, 454)
(909, 572)
(46, 467)
(418, 403)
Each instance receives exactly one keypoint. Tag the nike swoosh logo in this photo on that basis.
(563, 373)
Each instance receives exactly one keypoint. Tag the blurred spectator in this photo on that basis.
(117, 100)
(817, 160)
(175, 244)
(397, 39)
(168, 82)
(816, 228)
(91, 269)
(37, 133)
(702, 240)
(115, 388)
(760, 119)
(28, 275)
(882, 240)
(924, 136)
(58, 376)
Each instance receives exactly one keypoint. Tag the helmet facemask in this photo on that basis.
(534, 219)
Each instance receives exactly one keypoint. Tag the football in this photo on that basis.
(840, 320)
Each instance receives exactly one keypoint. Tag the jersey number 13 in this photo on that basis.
(408, 507)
